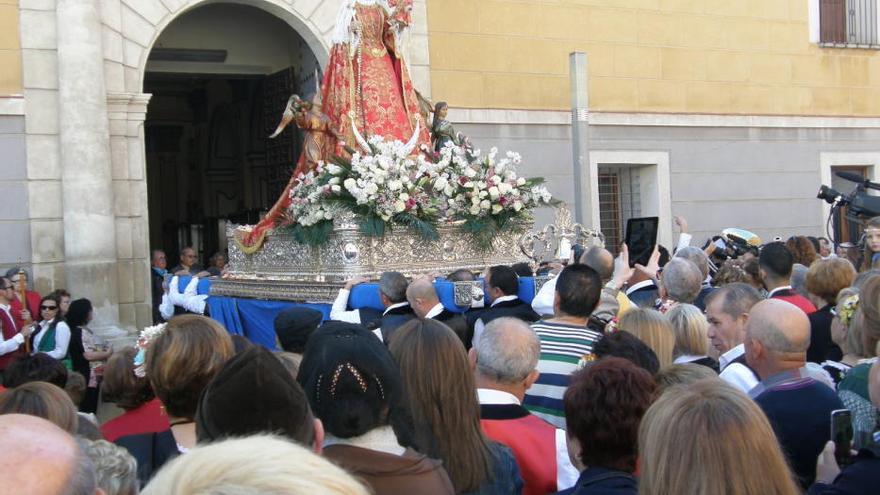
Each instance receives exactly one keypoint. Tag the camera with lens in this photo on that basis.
(860, 205)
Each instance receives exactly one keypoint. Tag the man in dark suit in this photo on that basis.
(776, 262)
(501, 286)
(425, 302)
(392, 294)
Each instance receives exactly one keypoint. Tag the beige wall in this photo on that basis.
(689, 56)
(10, 49)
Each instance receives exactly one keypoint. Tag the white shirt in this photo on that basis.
(634, 287)
(436, 310)
(684, 240)
(566, 473)
(736, 374)
(7, 346)
(62, 339)
(479, 325)
(687, 358)
(543, 301)
(338, 311)
(781, 288)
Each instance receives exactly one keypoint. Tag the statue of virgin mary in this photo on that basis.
(366, 91)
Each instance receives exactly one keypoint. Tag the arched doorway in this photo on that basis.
(220, 75)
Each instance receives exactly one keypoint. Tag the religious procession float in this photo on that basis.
(378, 187)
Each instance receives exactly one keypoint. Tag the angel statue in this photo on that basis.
(443, 132)
(366, 91)
(320, 136)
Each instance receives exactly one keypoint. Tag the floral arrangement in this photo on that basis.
(846, 309)
(146, 337)
(385, 187)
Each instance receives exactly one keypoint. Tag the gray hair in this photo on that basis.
(737, 298)
(115, 468)
(799, 279)
(682, 280)
(696, 256)
(393, 285)
(507, 350)
(599, 259)
(82, 479)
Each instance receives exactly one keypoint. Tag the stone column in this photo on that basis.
(580, 108)
(127, 112)
(87, 187)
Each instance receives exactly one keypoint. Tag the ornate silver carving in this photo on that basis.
(465, 292)
(556, 239)
(287, 270)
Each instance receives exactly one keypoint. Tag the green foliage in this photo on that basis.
(313, 235)
(372, 225)
(424, 228)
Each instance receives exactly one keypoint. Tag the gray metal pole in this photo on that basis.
(580, 107)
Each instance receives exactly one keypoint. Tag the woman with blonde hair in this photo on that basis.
(720, 441)
(255, 464)
(690, 328)
(653, 329)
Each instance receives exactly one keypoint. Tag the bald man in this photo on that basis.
(798, 407)
(423, 298)
(39, 458)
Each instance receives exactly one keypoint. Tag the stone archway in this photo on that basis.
(85, 108)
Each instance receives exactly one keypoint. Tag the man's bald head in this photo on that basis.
(601, 260)
(422, 296)
(37, 457)
(777, 337)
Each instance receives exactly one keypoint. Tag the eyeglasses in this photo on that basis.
(43, 308)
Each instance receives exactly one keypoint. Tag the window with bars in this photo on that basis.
(848, 23)
(619, 200)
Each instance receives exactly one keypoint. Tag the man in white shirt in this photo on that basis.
(505, 361)
(11, 338)
(727, 311)
(392, 294)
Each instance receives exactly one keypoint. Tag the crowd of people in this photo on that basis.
(694, 373)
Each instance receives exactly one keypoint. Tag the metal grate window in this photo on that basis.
(620, 199)
(848, 23)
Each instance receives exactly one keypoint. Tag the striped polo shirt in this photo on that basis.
(563, 351)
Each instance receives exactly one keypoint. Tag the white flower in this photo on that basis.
(521, 181)
(334, 180)
(440, 184)
(496, 209)
(350, 184)
(404, 196)
(399, 206)
(493, 192)
(448, 190)
(475, 210)
(485, 204)
(334, 169)
(503, 188)
(517, 205)
(335, 188)
(394, 185)
(470, 173)
(371, 189)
